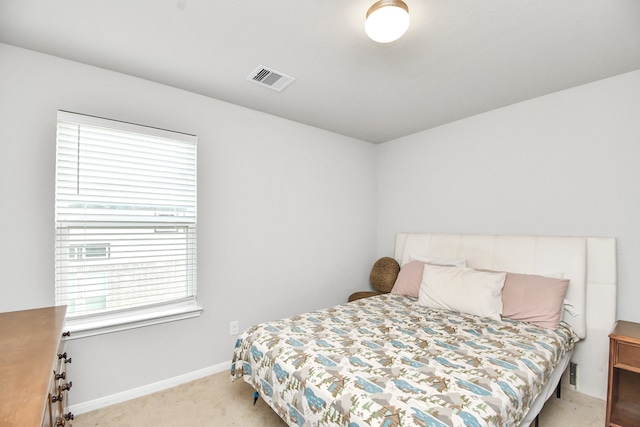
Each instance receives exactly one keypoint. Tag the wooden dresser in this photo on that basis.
(33, 368)
(623, 396)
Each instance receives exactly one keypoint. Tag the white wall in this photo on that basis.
(563, 164)
(285, 215)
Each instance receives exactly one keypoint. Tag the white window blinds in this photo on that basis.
(125, 216)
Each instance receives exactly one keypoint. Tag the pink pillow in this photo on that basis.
(534, 299)
(409, 279)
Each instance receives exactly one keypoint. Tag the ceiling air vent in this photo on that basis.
(270, 78)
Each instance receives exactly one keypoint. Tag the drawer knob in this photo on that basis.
(60, 376)
(68, 416)
(64, 356)
(56, 398)
(66, 386)
(66, 334)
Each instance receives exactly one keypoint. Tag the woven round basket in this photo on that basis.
(383, 274)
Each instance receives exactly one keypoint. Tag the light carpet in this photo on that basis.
(216, 401)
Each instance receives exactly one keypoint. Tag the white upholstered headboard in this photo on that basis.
(590, 263)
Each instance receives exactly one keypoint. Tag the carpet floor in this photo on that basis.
(216, 401)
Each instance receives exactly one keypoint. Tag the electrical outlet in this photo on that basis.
(233, 327)
(573, 373)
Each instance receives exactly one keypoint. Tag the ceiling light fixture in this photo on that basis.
(387, 20)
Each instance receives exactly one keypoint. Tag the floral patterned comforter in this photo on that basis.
(387, 361)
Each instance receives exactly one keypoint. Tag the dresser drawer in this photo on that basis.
(60, 386)
(627, 356)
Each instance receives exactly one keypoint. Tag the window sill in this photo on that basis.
(106, 324)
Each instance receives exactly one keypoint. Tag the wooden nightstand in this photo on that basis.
(623, 395)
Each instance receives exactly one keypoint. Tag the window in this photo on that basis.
(90, 250)
(125, 223)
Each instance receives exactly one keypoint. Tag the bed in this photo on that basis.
(391, 360)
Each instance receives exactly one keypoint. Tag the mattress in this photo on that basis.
(388, 361)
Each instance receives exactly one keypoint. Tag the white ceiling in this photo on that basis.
(458, 58)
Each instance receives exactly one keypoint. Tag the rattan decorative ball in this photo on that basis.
(384, 273)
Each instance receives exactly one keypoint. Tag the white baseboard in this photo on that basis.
(103, 402)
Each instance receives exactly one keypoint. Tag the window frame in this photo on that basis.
(132, 317)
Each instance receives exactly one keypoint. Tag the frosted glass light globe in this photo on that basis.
(387, 21)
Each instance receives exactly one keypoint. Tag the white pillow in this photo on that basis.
(439, 261)
(462, 289)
